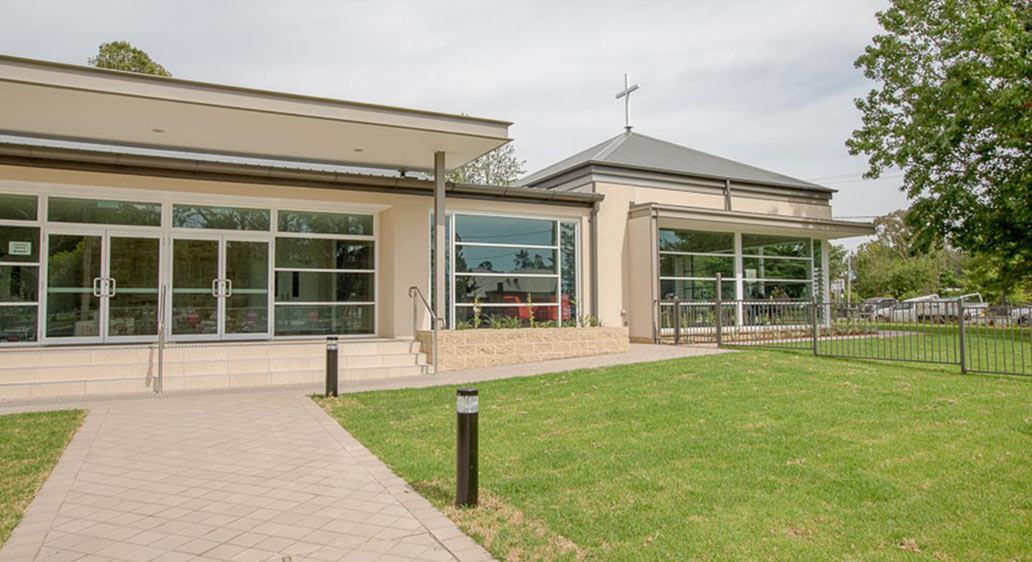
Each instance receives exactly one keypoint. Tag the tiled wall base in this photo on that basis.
(469, 349)
(43, 372)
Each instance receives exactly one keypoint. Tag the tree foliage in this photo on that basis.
(893, 265)
(501, 166)
(120, 55)
(952, 108)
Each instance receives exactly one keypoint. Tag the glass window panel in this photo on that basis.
(568, 245)
(17, 324)
(776, 290)
(19, 243)
(320, 320)
(493, 259)
(763, 245)
(677, 265)
(695, 290)
(223, 218)
(321, 253)
(67, 209)
(506, 290)
(769, 268)
(519, 314)
(18, 283)
(696, 241)
(311, 286)
(504, 230)
(18, 207)
(195, 264)
(325, 223)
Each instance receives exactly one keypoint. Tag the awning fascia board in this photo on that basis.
(741, 221)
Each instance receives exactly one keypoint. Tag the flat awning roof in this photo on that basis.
(756, 223)
(77, 103)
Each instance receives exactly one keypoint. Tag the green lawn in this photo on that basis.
(760, 455)
(30, 445)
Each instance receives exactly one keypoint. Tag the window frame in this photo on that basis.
(452, 245)
(38, 264)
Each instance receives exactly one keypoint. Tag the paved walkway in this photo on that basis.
(262, 475)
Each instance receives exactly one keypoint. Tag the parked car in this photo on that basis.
(910, 310)
(871, 307)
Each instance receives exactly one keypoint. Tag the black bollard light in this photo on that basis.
(466, 408)
(331, 366)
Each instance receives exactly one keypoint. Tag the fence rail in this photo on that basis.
(972, 336)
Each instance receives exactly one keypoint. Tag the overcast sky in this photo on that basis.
(770, 83)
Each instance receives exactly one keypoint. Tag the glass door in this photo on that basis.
(195, 288)
(246, 288)
(220, 288)
(131, 287)
(74, 287)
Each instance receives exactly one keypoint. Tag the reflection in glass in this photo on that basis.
(323, 286)
(222, 218)
(195, 264)
(492, 259)
(695, 290)
(73, 264)
(505, 230)
(321, 253)
(18, 283)
(772, 268)
(696, 241)
(93, 211)
(511, 290)
(519, 314)
(677, 265)
(764, 245)
(325, 223)
(18, 207)
(133, 309)
(775, 290)
(247, 300)
(18, 324)
(318, 320)
(568, 246)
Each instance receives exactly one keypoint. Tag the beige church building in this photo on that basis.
(158, 231)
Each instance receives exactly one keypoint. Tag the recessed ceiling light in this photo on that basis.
(358, 150)
(157, 130)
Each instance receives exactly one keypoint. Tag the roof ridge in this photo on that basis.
(611, 147)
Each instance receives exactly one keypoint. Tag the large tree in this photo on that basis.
(120, 55)
(952, 109)
(501, 166)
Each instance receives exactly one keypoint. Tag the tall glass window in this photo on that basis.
(19, 268)
(777, 267)
(520, 269)
(690, 260)
(325, 274)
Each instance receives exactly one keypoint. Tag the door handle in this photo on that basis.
(96, 287)
(215, 286)
(227, 290)
(111, 287)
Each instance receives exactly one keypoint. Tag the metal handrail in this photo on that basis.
(435, 322)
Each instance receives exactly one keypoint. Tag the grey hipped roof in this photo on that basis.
(640, 152)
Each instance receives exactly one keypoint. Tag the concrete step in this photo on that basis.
(365, 373)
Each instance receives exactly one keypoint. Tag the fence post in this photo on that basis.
(813, 322)
(960, 338)
(677, 320)
(719, 316)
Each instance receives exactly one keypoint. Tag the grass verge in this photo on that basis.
(761, 455)
(30, 445)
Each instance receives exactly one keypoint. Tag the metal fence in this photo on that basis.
(972, 336)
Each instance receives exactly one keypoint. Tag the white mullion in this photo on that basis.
(505, 245)
(324, 236)
(490, 274)
(325, 303)
(322, 270)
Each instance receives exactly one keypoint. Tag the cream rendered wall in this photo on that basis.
(403, 221)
